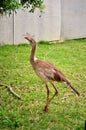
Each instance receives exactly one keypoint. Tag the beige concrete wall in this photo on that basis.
(6, 29)
(73, 19)
(46, 27)
(63, 19)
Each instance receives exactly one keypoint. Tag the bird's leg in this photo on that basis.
(47, 99)
(56, 92)
(47, 92)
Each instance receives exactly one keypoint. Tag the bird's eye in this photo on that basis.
(31, 40)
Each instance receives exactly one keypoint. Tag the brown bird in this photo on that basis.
(47, 72)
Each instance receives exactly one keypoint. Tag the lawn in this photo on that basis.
(67, 111)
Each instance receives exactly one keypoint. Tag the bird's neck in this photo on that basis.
(32, 56)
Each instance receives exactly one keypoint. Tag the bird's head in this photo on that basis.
(30, 39)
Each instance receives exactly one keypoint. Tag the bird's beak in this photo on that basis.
(26, 38)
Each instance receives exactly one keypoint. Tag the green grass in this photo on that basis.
(67, 111)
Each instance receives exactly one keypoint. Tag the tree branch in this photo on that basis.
(11, 90)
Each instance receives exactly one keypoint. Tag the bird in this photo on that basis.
(47, 72)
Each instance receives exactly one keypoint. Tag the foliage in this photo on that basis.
(7, 6)
(66, 112)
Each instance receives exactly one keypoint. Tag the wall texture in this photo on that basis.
(63, 19)
(6, 29)
(46, 27)
(73, 19)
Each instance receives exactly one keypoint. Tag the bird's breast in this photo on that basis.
(41, 75)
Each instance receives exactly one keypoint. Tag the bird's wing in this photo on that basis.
(54, 74)
(49, 71)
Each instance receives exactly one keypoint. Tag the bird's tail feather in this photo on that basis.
(69, 84)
